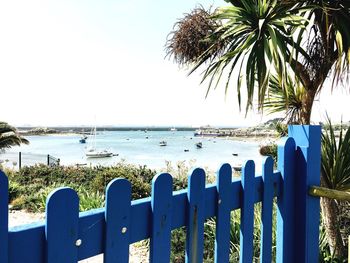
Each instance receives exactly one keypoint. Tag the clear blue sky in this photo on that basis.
(73, 62)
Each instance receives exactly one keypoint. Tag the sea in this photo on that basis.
(138, 147)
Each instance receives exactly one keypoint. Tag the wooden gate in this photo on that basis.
(69, 236)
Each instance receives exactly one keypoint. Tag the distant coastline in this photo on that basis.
(252, 133)
(85, 129)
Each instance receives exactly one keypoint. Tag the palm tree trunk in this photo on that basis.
(329, 211)
(307, 103)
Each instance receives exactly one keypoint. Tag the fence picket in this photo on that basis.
(307, 173)
(195, 223)
(4, 218)
(247, 213)
(62, 226)
(161, 203)
(117, 218)
(285, 202)
(223, 216)
(266, 212)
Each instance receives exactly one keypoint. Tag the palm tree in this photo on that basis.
(259, 39)
(9, 136)
(268, 42)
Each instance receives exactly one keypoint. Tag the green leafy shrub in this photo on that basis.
(14, 190)
(30, 186)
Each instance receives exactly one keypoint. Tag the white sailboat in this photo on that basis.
(93, 152)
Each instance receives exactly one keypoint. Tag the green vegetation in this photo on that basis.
(30, 185)
(9, 136)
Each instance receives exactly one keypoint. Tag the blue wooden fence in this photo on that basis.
(69, 236)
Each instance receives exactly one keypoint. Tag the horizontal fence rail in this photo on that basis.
(93, 224)
(69, 236)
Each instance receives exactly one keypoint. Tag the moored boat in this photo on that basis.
(83, 139)
(92, 153)
(237, 167)
(199, 145)
(162, 143)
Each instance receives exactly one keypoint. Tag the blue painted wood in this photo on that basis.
(195, 216)
(4, 217)
(307, 208)
(266, 212)
(92, 223)
(285, 202)
(162, 198)
(62, 226)
(117, 217)
(223, 215)
(247, 213)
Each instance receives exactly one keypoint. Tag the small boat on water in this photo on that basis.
(83, 139)
(163, 143)
(237, 167)
(93, 152)
(199, 145)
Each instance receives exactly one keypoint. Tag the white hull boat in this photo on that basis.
(93, 152)
(98, 154)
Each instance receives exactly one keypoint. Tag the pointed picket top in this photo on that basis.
(117, 218)
(223, 215)
(4, 184)
(161, 203)
(62, 226)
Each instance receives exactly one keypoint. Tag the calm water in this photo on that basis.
(134, 147)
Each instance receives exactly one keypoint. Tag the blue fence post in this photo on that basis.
(3, 218)
(266, 212)
(62, 226)
(161, 202)
(247, 212)
(223, 214)
(195, 217)
(307, 208)
(285, 250)
(117, 217)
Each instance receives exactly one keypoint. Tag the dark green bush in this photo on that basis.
(30, 185)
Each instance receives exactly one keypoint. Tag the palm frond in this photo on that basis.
(9, 136)
(286, 99)
(335, 165)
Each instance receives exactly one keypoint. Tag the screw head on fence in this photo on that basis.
(78, 242)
